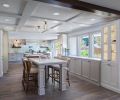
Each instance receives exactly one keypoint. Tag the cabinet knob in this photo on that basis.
(109, 64)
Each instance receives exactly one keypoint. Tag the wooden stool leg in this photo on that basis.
(23, 84)
(53, 75)
(68, 78)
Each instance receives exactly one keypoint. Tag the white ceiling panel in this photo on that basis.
(40, 22)
(31, 35)
(7, 20)
(113, 4)
(27, 15)
(48, 10)
(15, 6)
(31, 29)
(66, 27)
(87, 18)
(9, 28)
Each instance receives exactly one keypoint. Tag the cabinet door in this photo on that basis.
(113, 42)
(114, 75)
(109, 74)
(1, 53)
(1, 66)
(85, 68)
(72, 65)
(105, 43)
(95, 71)
(78, 66)
(106, 71)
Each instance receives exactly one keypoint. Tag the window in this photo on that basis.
(84, 46)
(73, 46)
(88, 45)
(96, 45)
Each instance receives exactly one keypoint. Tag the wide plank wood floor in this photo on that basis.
(11, 89)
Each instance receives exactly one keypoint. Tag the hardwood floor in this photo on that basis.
(11, 89)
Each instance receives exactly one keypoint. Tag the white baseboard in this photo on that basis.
(83, 78)
(110, 87)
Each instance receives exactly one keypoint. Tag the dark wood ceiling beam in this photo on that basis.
(66, 4)
(76, 4)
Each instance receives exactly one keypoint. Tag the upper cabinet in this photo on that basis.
(110, 41)
(105, 43)
(113, 41)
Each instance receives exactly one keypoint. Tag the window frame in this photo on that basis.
(79, 48)
(90, 34)
(92, 44)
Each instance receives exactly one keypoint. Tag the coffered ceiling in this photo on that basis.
(114, 4)
(27, 15)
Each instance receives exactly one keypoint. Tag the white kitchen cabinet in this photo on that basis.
(78, 66)
(94, 70)
(86, 68)
(109, 74)
(72, 65)
(110, 55)
(114, 75)
(106, 73)
(15, 56)
(1, 53)
(75, 66)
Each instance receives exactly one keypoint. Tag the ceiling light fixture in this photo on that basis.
(56, 13)
(6, 5)
(42, 26)
(92, 19)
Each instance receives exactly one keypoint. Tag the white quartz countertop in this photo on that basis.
(87, 58)
(46, 61)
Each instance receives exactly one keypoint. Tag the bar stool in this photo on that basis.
(29, 75)
(50, 73)
(56, 71)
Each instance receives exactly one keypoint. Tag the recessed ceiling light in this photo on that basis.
(7, 19)
(55, 21)
(6, 5)
(84, 25)
(92, 19)
(56, 13)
